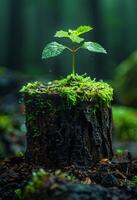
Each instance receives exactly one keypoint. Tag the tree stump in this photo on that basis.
(60, 134)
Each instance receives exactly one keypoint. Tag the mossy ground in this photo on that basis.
(75, 88)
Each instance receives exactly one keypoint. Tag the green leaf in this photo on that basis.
(76, 38)
(52, 49)
(94, 47)
(61, 34)
(73, 35)
(83, 29)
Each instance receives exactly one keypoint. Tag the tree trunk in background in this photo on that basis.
(95, 9)
(15, 34)
(56, 18)
(42, 18)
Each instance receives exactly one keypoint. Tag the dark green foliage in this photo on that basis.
(125, 121)
(12, 134)
(6, 127)
(6, 123)
(126, 80)
(19, 194)
(134, 179)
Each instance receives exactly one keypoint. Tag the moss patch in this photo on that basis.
(75, 88)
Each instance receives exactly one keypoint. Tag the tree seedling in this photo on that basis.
(54, 48)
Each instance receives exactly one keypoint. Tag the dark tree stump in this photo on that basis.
(60, 135)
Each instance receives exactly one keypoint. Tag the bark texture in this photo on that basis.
(59, 135)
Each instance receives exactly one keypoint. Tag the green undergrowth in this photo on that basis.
(75, 88)
(6, 124)
(41, 178)
(134, 179)
(125, 122)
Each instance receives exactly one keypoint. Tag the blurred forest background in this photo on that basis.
(27, 26)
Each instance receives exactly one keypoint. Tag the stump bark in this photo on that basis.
(60, 135)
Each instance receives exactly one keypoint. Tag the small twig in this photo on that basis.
(122, 175)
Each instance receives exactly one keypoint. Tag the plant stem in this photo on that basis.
(69, 49)
(73, 61)
(77, 49)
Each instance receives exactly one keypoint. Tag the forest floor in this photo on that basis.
(115, 179)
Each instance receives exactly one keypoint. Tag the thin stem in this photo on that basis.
(68, 48)
(77, 49)
(73, 61)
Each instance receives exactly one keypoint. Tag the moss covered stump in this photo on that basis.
(69, 122)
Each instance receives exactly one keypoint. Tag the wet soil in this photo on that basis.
(106, 180)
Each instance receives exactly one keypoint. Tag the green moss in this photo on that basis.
(75, 88)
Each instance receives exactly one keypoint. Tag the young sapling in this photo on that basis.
(54, 48)
(62, 115)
